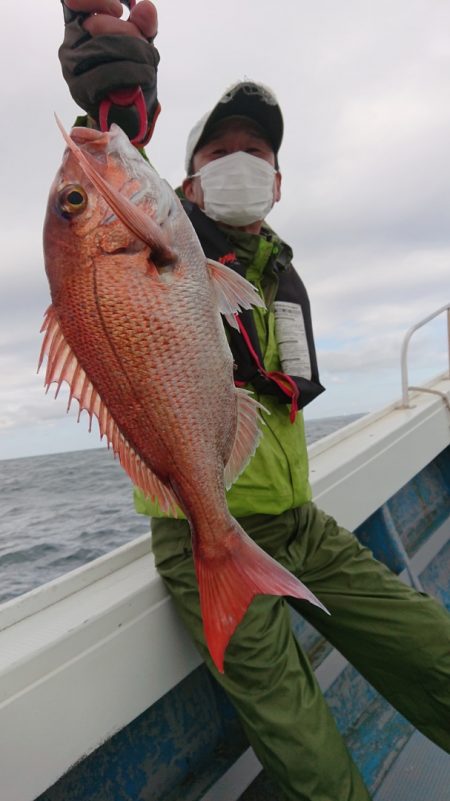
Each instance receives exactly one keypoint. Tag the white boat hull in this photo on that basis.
(84, 655)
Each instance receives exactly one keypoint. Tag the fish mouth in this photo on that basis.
(82, 135)
(141, 225)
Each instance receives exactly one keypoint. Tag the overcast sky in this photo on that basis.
(364, 87)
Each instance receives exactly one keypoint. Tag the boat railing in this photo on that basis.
(404, 356)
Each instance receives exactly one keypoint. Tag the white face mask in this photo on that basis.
(237, 189)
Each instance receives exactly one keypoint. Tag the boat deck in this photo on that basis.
(421, 771)
(100, 713)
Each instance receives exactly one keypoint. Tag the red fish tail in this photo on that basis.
(230, 580)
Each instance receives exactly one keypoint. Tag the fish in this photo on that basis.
(135, 329)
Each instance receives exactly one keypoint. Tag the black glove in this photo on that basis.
(96, 66)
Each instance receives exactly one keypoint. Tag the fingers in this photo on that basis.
(105, 19)
(104, 25)
(145, 16)
(113, 7)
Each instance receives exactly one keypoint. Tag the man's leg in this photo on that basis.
(397, 638)
(269, 680)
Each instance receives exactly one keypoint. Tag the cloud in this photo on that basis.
(364, 92)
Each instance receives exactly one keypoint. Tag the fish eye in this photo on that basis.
(72, 200)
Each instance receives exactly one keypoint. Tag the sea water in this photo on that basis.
(59, 511)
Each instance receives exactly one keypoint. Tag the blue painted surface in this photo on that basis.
(180, 746)
(422, 771)
(420, 507)
(375, 535)
(374, 731)
(435, 578)
(414, 513)
(312, 642)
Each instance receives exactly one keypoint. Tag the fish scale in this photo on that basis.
(135, 329)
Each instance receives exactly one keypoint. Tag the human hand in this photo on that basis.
(104, 56)
(105, 17)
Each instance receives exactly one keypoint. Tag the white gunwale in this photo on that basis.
(85, 654)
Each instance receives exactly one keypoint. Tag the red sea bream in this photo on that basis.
(135, 329)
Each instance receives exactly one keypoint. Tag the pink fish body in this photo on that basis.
(135, 329)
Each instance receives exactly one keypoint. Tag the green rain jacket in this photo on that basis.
(276, 479)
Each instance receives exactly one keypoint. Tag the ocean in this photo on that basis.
(62, 510)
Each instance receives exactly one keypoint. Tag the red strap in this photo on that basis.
(127, 97)
(149, 135)
(282, 380)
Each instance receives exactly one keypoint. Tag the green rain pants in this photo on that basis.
(397, 638)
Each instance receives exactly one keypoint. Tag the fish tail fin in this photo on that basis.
(229, 581)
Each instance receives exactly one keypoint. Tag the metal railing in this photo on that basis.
(404, 354)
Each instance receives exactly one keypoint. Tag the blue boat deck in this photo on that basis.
(411, 534)
(421, 771)
(186, 746)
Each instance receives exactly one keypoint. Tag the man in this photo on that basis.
(397, 638)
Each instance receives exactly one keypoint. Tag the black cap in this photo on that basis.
(243, 99)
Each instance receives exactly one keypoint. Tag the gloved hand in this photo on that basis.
(102, 54)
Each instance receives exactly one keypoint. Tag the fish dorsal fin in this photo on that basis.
(233, 292)
(248, 435)
(63, 365)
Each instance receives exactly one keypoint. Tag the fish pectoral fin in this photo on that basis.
(247, 437)
(233, 292)
(228, 582)
(63, 365)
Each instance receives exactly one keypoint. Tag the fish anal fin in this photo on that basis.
(247, 438)
(63, 366)
(229, 582)
(233, 292)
